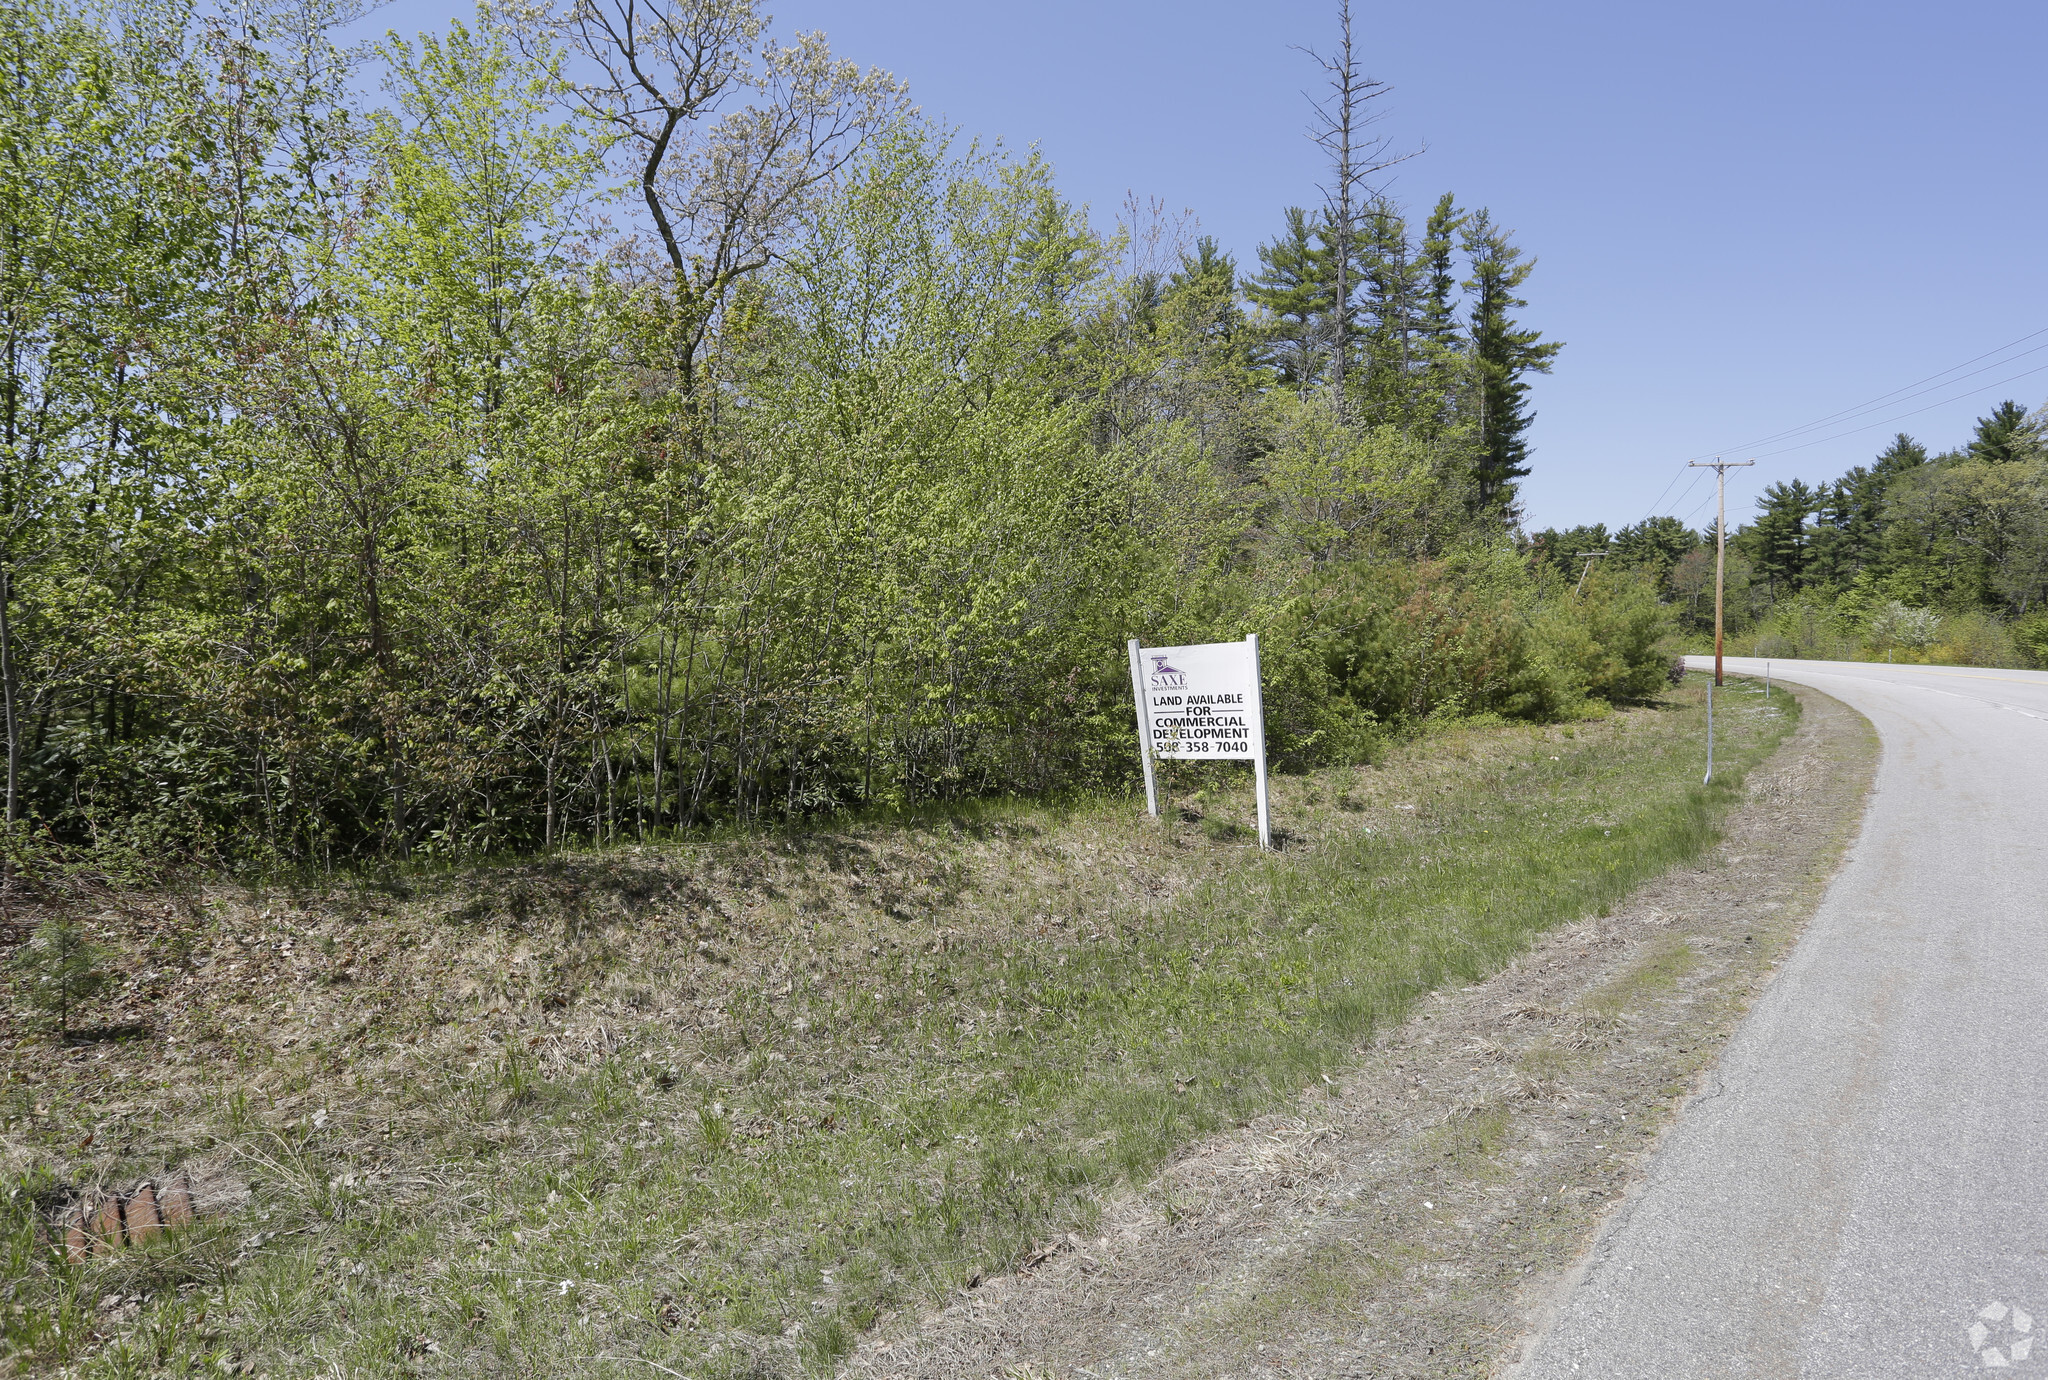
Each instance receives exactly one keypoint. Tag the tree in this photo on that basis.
(1439, 316)
(1780, 536)
(1504, 353)
(57, 969)
(1848, 538)
(728, 136)
(1655, 544)
(1296, 299)
(1561, 551)
(1393, 275)
(1205, 287)
(2006, 435)
(1339, 128)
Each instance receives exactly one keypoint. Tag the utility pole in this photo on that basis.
(1588, 557)
(1720, 469)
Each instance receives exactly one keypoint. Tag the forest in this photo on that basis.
(1915, 557)
(634, 421)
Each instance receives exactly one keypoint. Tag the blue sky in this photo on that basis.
(1748, 216)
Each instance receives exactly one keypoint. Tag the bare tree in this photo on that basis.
(1342, 118)
(726, 133)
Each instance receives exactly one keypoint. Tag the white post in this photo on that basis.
(1710, 735)
(1767, 680)
(1259, 762)
(1139, 698)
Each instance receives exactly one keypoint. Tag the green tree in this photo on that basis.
(1655, 544)
(1848, 536)
(1295, 296)
(1563, 551)
(57, 968)
(2006, 435)
(1504, 354)
(1778, 542)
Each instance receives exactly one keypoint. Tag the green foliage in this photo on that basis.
(1655, 546)
(368, 493)
(1909, 558)
(2008, 434)
(1504, 352)
(1295, 292)
(1778, 542)
(1612, 638)
(56, 969)
(1481, 633)
(1565, 553)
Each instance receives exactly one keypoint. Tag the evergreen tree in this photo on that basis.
(1847, 538)
(1207, 280)
(1341, 120)
(1393, 275)
(1296, 295)
(1503, 354)
(1439, 313)
(2006, 435)
(1658, 543)
(1563, 551)
(1780, 537)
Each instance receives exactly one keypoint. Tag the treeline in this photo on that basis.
(1913, 557)
(638, 422)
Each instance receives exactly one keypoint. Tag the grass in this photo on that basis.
(716, 1110)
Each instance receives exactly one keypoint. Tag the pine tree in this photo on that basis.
(1781, 538)
(1294, 291)
(1503, 353)
(1848, 536)
(1207, 281)
(1658, 542)
(1562, 551)
(1341, 120)
(57, 969)
(1393, 275)
(2006, 435)
(1439, 314)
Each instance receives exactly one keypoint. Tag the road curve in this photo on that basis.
(1862, 1190)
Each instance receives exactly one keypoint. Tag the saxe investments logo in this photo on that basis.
(1165, 677)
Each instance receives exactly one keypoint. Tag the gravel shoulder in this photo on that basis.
(1422, 1215)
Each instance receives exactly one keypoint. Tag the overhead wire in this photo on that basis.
(1910, 390)
(1901, 416)
(1903, 393)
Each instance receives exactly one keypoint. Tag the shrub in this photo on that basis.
(57, 969)
(1610, 639)
(2030, 639)
(1404, 642)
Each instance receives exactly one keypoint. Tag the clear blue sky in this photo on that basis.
(1748, 216)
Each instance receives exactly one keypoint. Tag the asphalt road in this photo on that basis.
(1863, 1190)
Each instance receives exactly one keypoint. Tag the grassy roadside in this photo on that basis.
(714, 1110)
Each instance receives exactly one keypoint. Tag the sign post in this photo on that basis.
(1202, 703)
(1144, 738)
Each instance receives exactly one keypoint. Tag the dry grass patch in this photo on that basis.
(723, 1107)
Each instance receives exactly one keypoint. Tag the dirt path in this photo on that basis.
(1418, 1217)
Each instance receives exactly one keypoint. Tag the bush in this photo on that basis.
(1974, 639)
(57, 969)
(2030, 639)
(1611, 639)
(1410, 641)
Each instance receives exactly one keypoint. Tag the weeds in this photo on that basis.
(748, 1129)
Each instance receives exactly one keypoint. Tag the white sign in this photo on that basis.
(1201, 703)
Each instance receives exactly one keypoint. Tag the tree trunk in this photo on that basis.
(9, 696)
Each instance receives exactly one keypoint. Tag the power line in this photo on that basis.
(1903, 393)
(1893, 396)
(1900, 417)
